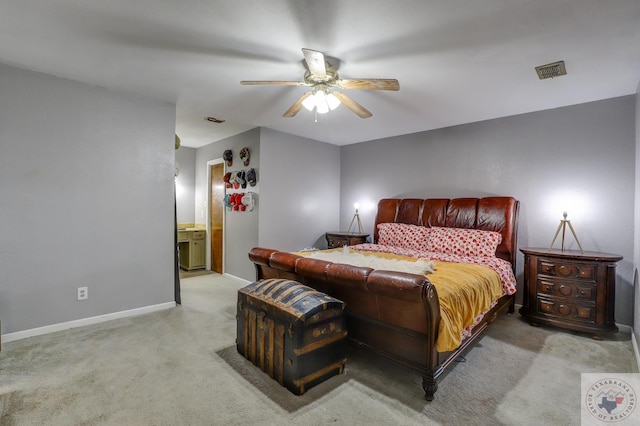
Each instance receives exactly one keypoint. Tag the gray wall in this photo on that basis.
(299, 191)
(186, 185)
(297, 194)
(582, 154)
(86, 183)
(241, 228)
(636, 245)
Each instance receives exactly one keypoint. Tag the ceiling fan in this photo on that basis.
(322, 77)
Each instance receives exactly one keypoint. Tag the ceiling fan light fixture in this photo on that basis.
(309, 103)
(322, 100)
(332, 101)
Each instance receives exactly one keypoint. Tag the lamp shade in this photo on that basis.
(332, 101)
(309, 103)
(322, 101)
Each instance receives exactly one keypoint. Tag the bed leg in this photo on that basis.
(430, 387)
(512, 306)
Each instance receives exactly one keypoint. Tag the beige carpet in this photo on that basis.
(181, 367)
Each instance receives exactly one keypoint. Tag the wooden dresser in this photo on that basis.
(340, 239)
(570, 289)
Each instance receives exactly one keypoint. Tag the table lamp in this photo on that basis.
(562, 227)
(356, 217)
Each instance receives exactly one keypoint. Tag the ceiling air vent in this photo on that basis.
(555, 69)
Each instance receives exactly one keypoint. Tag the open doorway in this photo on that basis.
(215, 217)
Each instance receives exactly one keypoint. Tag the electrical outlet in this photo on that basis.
(83, 293)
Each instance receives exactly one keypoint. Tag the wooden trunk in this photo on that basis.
(295, 334)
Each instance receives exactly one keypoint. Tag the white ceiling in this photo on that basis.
(457, 61)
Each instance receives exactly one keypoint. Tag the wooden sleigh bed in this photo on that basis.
(398, 314)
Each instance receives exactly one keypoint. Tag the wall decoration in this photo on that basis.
(249, 200)
(228, 157)
(245, 156)
(235, 180)
(252, 178)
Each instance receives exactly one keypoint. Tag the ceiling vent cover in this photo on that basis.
(555, 69)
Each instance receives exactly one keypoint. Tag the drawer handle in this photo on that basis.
(585, 292)
(565, 271)
(565, 290)
(564, 310)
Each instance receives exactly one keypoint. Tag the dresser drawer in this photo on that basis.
(567, 289)
(336, 242)
(579, 271)
(340, 239)
(573, 312)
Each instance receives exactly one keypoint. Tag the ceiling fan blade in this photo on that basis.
(293, 109)
(315, 62)
(369, 84)
(361, 111)
(272, 83)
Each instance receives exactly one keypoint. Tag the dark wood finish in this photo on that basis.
(570, 289)
(337, 239)
(394, 314)
(294, 333)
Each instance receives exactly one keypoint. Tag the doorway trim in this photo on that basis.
(208, 217)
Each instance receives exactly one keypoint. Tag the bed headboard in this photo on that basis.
(498, 214)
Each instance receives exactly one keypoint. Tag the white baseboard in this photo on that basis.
(236, 278)
(18, 335)
(625, 328)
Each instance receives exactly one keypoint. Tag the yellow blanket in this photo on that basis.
(464, 292)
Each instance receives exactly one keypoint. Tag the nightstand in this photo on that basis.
(570, 289)
(339, 239)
